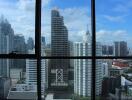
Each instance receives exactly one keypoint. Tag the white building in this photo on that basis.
(82, 67)
(104, 70)
(31, 72)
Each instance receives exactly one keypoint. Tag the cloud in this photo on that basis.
(120, 33)
(115, 18)
(45, 2)
(75, 19)
(121, 8)
(21, 15)
(124, 6)
(29, 5)
(108, 36)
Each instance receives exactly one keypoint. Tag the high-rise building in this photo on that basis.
(107, 50)
(30, 43)
(20, 45)
(71, 68)
(43, 41)
(83, 67)
(5, 84)
(104, 69)
(31, 72)
(20, 48)
(120, 48)
(58, 76)
(6, 45)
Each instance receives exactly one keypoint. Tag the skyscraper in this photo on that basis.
(83, 67)
(107, 50)
(58, 76)
(20, 45)
(30, 43)
(31, 72)
(43, 41)
(6, 45)
(120, 48)
(20, 48)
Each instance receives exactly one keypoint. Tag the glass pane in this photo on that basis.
(66, 26)
(17, 26)
(18, 79)
(59, 78)
(113, 21)
(82, 79)
(115, 76)
(68, 79)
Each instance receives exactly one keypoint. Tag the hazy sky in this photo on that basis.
(113, 18)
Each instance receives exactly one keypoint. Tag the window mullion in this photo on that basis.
(93, 28)
(38, 45)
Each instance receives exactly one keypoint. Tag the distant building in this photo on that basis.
(107, 50)
(6, 45)
(20, 45)
(104, 68)
(5, 84)
(43, 41)
(47, 51)
(120, 48)
(23, 92)
(83, 67)
(31, 72)
(19, 48)
(50, 96)
(109, 85)
(30, 43)
(120, 63)
(113, 72)
(118, 67)
(15, 73)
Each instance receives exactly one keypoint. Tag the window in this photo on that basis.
(17, 26)
(113, 32)
(18, 29)
(64, 57)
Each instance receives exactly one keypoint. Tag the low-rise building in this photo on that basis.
(5, 84)
(23, 92)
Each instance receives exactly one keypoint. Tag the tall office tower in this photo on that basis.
(83, 67)
(120, 48)
(20, 48)
(59, 47)
(6, 45)
(30, 43)
(107, 50)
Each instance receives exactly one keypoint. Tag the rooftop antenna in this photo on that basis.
(87, 33)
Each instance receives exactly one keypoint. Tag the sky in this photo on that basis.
(113, 18)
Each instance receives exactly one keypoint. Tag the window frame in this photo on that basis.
(38, 56)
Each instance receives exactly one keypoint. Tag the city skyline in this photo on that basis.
(110, 24)
(67, 67)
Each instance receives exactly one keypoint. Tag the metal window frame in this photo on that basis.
(38, 56)
(93, 57)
